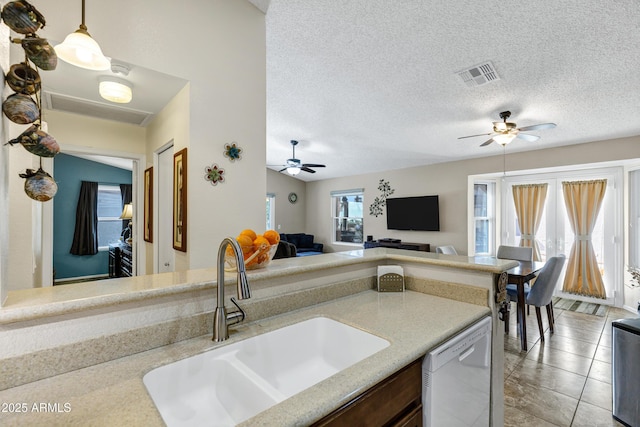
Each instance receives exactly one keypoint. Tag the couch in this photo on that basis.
(285, 250)
(303, 242)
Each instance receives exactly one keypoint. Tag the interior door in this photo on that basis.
(164, 194)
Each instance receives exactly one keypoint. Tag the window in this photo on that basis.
(271, 206)
(484, 218)
(347, 208)
(109, 210)
(634, 218)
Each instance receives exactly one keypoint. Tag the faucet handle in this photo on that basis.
(235, 316)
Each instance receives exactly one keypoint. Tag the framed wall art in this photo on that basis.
(180, 200)
(148, 205)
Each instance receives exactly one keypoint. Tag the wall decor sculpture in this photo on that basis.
(214, 174)
(376, 208)
(232, 151)
(20, 107)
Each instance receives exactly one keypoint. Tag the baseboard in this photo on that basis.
(80, 279)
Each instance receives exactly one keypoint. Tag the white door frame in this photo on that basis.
(139, 258)
(156, 208)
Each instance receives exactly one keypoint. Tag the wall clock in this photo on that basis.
(293, 197)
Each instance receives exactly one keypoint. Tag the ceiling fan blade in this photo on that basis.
(306, 169)
(487, 142)
(282, 170)
(473, 136)
(313, 165)
(527, 137)
(538, 127)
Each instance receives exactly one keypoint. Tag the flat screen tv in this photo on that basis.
(413, 213)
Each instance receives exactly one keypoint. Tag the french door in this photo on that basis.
(555, 235)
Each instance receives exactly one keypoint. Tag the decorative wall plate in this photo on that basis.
(214, 174)
(232, 151)
(293, 197)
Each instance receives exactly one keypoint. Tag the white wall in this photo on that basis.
(219, 47)
(4, 161)
(289, 217)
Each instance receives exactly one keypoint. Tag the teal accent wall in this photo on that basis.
(69, 172)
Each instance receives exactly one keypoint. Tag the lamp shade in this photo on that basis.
(115, 90)
(81, 50)
(127, 211)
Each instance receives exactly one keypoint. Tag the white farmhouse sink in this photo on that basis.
(230, 384)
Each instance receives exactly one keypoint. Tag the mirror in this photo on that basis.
(87, 126)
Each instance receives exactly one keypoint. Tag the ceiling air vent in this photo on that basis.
(69, 104)
(479, 75)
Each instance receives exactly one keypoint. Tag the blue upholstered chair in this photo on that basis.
(446, 250)
(541, 293)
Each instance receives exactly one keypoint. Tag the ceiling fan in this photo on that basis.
(294, 166)
(504, 132)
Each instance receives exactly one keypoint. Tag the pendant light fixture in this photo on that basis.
(79, 49)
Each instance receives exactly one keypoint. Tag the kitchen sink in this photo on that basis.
(230, 384)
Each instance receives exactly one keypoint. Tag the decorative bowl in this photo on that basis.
(253, 258)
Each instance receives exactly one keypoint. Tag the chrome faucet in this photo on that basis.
(222, 319)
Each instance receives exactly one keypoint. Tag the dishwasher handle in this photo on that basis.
(466, 354)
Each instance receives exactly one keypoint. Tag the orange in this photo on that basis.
(249, 232)
(261, 241)
(245, 243)
(272, 236)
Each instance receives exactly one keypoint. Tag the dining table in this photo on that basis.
(523, 273)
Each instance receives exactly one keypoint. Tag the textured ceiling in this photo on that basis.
(371, 85)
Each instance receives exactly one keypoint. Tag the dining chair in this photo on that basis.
(541, 293)
(446, 250)
(517, 253)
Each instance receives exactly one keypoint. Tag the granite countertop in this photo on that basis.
(113, 393)
(29, 304)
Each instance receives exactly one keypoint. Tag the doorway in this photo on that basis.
(44, 215)
(555, 235)
(165, 256)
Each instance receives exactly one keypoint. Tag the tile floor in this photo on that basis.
(565, 380)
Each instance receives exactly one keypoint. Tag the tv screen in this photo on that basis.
(413, 213)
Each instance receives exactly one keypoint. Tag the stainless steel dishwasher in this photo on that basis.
(457, 379)
(625, 375)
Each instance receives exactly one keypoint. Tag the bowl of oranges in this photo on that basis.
(257, 249)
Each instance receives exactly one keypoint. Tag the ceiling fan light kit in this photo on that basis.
(294, 166)
(504, 132)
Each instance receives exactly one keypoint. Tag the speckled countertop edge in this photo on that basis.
(411, 321)
(42, 302)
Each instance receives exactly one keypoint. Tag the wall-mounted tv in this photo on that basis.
(413, 213)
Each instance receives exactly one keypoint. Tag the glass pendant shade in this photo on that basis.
(115, 90)
(293, 171)
(505, 138)
(81, 50)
